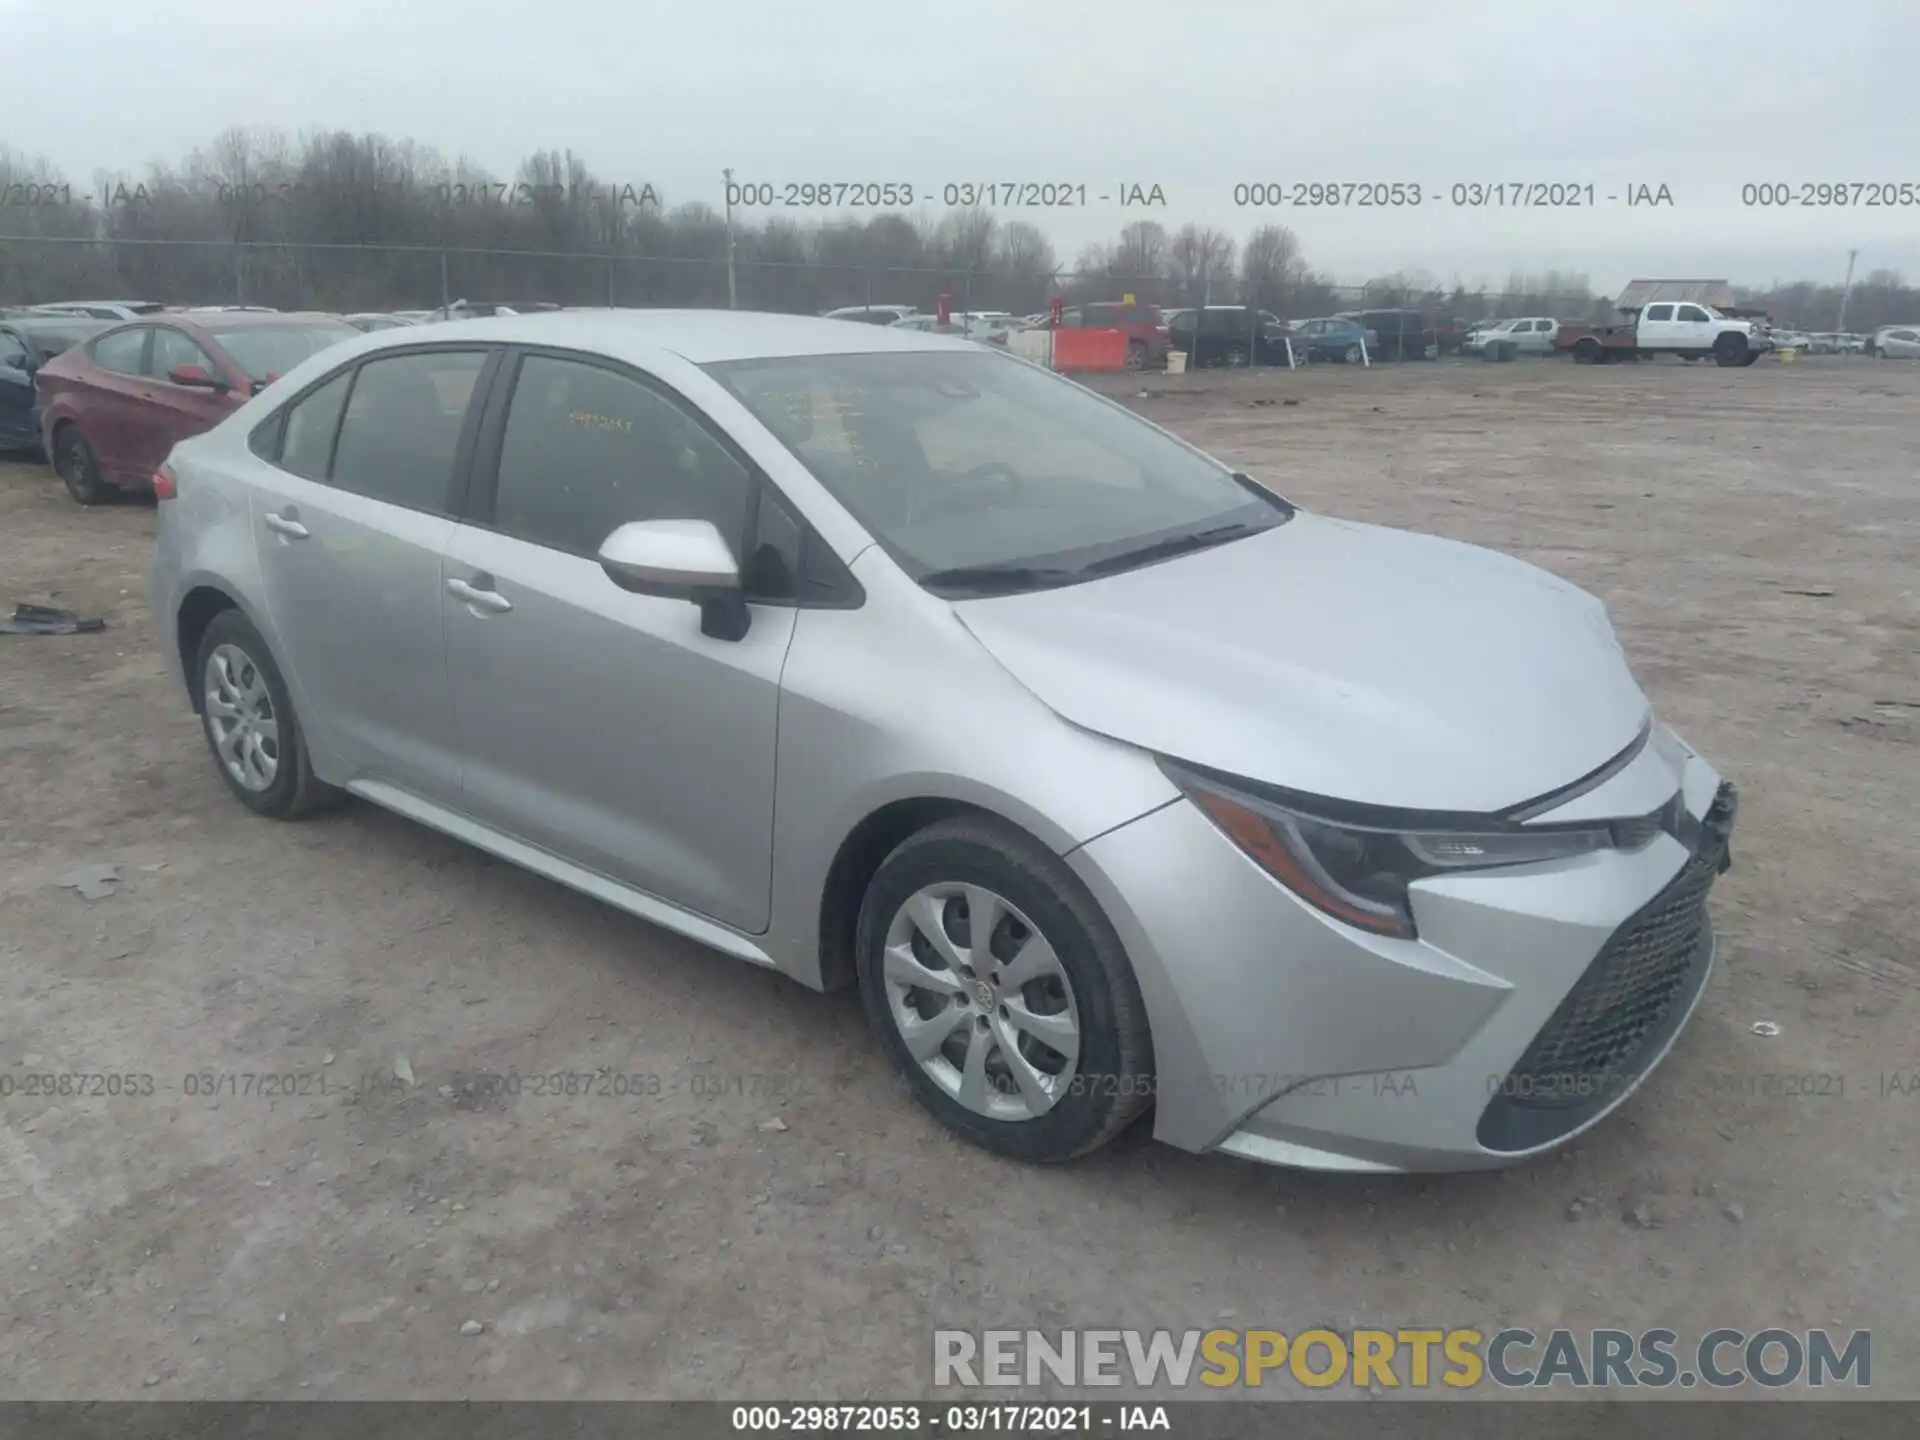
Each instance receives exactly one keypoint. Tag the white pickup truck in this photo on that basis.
(1693, 332)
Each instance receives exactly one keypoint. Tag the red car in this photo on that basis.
(1145, 327)
(112, 409)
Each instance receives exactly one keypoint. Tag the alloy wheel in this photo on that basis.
(981, 1001)
(241, 718)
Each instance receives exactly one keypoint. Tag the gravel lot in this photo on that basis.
(779, 1220)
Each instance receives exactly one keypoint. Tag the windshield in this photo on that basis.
(266, 352)
(983, 464)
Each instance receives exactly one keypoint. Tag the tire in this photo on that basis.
(1074, 1105)
(250, 675)
(1350, 355)
(1729, 350)
(1236, 357)
(74, 463)
(1136, 355)
(1589, 351)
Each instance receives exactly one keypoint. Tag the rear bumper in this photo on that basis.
(1533, 1004)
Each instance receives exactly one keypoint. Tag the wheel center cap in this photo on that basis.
(983, 994)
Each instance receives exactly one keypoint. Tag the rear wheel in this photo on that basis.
(247, 714)
(1589, 351)
(1236, 356)
(1001, 993)
(1350, 355)
(1136, 355)
(74, 462)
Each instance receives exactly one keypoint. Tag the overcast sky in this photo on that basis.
(1701, 96)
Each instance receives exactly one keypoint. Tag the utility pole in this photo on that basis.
(733, 291)
(1845, 292)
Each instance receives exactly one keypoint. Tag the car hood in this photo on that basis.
(1337, 659)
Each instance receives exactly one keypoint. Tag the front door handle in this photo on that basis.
(479, 599)
(287, 526)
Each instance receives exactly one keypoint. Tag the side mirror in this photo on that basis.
(195, 376)
(680, 560)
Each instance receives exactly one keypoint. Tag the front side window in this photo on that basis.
(12, 351)
(121, 351)
(958, 462)
(587, 449)
(266, 352)
(400, 435)
(171, 348)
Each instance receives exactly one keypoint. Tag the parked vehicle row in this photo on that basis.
(112, 406)
(1895, 342)
(27, 343)
(1439, 829)
(1691, 331)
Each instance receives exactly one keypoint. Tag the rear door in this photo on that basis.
(350, 521)
(599, 724)
(1657, 330)
(108, 397)
(18, 430)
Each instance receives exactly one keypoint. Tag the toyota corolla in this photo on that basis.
(1121, 786)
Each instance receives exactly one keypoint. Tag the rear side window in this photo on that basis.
(307, 447)
(401, 432)
(1659, 312)
(121, 351)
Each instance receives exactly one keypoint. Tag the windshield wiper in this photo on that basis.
(1171, 546)
(999, 579)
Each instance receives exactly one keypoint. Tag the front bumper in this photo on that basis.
(1534, 1001)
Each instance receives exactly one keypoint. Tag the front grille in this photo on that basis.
(1598, 1038)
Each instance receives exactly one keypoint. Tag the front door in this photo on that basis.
(350, 528)
(596, 723)
(1693, 328)
(180, 412)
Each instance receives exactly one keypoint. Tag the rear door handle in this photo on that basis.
(283, 525)
(479, 599)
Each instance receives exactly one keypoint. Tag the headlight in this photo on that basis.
(1358, 871)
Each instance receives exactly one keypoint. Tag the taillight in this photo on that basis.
(165, 483)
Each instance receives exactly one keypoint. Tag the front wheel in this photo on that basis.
(1136, 355)
(1236, 357)
(1729, 350)
(1350, 355)
(1000, 991)
(74, 463)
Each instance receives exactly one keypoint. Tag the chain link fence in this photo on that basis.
(349, 278)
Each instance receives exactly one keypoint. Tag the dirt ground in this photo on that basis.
(1755, 533)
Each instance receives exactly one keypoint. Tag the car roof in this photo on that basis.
(228, 320)
(64, 324)
(699, 336)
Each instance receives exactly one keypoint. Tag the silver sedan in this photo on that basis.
(1124, 789)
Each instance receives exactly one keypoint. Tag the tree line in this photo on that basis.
(342, 221)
